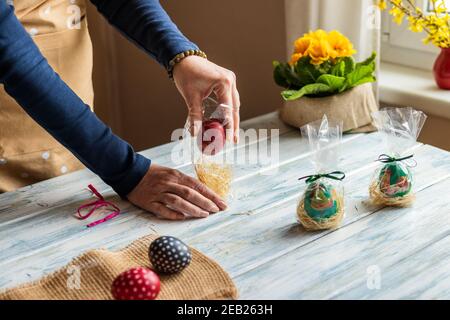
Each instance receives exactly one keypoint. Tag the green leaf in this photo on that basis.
(339, 69)
(285, 76)
(306, 79)
(344, 87)
(325, 67)
(350, 65)
(307, 72)
(365, 80)
(335, 83)
(369, 60)
(311, 89)
(279, 76)
(361, 74)
(292, 78)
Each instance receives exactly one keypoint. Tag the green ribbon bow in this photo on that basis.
(388, 159)
(384, 158)
(336, 175)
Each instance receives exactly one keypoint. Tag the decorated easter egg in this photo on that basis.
(321, 201)
(212, 138)
(169, 255)
(395, 180)
(136, 284)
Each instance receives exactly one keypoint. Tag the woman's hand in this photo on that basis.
(196, 78)
(172, 195)
(169, 193)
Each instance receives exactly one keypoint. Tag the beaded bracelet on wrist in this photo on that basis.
(179, 57)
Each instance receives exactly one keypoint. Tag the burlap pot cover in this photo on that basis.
(89, 277)
(353, 107)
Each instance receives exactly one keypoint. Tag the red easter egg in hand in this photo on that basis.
(213, 137)
(136, 284)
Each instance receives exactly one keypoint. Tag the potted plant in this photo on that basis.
(323, 78)
(436, 25)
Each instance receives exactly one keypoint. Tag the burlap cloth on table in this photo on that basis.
(203, 279)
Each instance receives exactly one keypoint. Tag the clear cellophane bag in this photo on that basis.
(211, 148)
(393, 181)
(321, 206)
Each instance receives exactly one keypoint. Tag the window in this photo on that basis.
(401, 46)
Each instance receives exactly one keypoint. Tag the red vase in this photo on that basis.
(442, 69)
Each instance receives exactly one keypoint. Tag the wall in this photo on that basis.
(133, 93)
(432, 132)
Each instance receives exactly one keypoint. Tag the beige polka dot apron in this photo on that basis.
(28, 154)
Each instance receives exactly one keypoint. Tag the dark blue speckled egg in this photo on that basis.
(169, 255)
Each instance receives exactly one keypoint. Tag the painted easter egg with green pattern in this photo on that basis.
(395, 180)
(321, 201)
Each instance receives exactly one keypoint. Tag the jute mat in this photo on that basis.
(89, 277)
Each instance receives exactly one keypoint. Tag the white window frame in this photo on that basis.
(401, 46)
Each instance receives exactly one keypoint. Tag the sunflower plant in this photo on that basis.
(436, 24)
(322, 64)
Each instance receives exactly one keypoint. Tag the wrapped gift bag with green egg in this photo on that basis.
(324, 78)
(393, 181)
(321, 207)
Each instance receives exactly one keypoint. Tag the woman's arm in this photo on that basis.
(29, 79)
(147, 24)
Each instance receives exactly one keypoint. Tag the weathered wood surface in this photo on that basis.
(258, 240)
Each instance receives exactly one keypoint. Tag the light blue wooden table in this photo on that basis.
(378, 253)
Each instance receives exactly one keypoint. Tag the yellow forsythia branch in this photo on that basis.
(436, 25)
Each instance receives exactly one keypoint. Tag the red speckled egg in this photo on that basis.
(212, 136)
(136, 284)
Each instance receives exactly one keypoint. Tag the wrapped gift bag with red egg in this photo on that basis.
(211, 147)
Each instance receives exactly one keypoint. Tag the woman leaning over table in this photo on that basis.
(40, 68)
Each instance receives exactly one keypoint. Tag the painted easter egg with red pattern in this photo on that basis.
(321, 201)
(395, 180)
(136, 284)
(212, 138)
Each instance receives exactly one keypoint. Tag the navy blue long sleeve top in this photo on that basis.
(29, 79)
